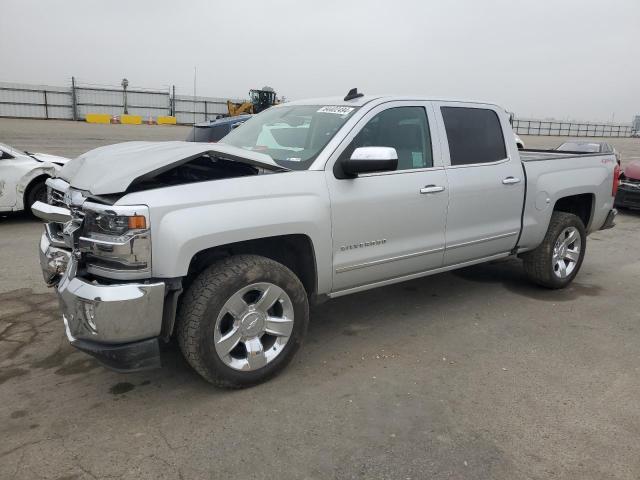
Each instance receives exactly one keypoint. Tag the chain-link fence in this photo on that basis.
(77, 100)
(570, 129)
(35, 101)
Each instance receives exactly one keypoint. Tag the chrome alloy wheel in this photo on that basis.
(566, 252)
(253, 326)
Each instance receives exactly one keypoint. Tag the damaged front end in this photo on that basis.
(53, 260)
(54, 252)
(97, 253)
(135, 166)
(117, 321)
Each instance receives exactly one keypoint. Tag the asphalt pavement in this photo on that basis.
(474, 374)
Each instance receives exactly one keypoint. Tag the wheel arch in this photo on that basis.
(28, 182)
(295, 251)
(581, 205)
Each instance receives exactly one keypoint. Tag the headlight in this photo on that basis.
(116, 241)
(109, 223)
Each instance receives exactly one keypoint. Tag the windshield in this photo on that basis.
(580, 147)
(292, 136)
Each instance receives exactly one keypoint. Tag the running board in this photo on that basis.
(412, 276)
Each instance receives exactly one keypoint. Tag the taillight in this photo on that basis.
(616, 180)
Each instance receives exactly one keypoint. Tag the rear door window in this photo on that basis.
(474, 135)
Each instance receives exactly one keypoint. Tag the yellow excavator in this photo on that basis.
(259, 100)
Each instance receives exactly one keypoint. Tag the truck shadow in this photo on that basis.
(431, 295)
(33, 340)
(14, 218)
(510, 275)
(629, 212)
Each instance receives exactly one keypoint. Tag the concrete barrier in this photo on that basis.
(98, 118)
(131, 119)
(166, 120)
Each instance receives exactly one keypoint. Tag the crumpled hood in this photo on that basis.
(632, 171)
(113, 168)
(45, 157)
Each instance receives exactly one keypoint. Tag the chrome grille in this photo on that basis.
(55, 197)
(54, 230)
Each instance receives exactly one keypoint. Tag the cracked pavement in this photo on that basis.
(474, 374)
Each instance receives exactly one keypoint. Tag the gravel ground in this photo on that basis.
(474, 374)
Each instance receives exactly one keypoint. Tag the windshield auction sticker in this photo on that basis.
(336, 109)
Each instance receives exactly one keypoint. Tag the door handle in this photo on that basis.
(431, 189)
(510, 180)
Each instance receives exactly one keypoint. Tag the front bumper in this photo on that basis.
(117, 323)
(628, 196)
(125, 358)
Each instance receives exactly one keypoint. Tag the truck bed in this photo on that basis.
(588, 174)
(534, 155)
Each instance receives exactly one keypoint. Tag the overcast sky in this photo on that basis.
(562, 58)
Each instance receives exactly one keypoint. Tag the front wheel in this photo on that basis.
(557, 260)
(36, 192)
(242, 320)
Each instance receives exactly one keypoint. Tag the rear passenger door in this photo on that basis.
(486, 182)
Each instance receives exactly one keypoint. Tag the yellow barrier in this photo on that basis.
(131, 119)
(166, 120)
(98, 118)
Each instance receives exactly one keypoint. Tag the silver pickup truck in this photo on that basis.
(225, 245)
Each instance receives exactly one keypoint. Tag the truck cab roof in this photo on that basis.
(377, 99)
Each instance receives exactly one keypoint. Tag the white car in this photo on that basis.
(22, 177)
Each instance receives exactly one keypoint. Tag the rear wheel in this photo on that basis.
(556, 262)
(37, 192)
(242, 320)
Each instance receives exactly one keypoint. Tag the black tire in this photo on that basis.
(36, 192)
(204, 300)
(538, 263)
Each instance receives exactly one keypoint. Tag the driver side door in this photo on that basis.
(389, 225)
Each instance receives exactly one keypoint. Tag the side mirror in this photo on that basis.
(371, 159)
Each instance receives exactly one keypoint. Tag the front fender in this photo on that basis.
(23, 184)
(234, 210)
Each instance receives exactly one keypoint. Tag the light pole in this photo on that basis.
(125, 84)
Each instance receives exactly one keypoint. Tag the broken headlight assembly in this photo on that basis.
(116, 241)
